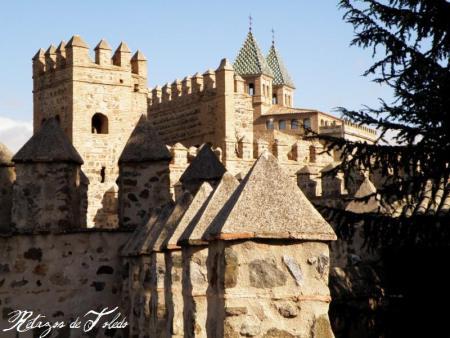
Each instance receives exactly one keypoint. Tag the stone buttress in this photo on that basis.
(143, 181)
(48, 193)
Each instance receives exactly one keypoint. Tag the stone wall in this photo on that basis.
(48, 196)
(61, 276)
(143, 188)
(268, 289)
(7, 177)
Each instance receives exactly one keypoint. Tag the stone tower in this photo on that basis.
(144, 186)
(97, 103)
(283, 86)
(48, 192)
(252, 66)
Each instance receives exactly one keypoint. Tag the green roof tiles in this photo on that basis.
(280, 73)
(250, 60)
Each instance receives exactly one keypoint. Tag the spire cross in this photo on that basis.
(250, 19)
(273, 36)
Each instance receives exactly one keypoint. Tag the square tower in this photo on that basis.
(97, 103)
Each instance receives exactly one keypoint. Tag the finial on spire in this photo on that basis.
(273, 37)
(250, 20)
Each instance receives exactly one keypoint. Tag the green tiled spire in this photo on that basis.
(250, 60)
(280, 73)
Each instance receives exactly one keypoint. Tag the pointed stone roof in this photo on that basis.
(250, 60)
(76, 41)
(123, 47)
(192, 214)
(161, 237)
(144, 145)
(280, 74)
(5, 156)
(138, 56)
(225, 64)
(61, 47)
(220, 195)
(205, 167)
(103, 44)
(39, 55)
(51, 50)
(49, 144)
(268, 204)
(371, 205)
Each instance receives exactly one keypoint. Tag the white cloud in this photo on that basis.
(14, 133)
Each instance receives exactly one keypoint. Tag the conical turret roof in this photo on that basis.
(144, 145)
(221, 194)
(280, 74)
(250, 60)
(366, 189)
(49, 144)
(192, 214)
(268, 204)
(205, 167)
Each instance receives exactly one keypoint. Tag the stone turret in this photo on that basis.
(206, 167)
(270, 244)
(144, 185)
(7, 178)
(139, 64)
(103, 53)
(47, 194)
(122, 56)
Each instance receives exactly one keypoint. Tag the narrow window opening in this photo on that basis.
(312, 154)
(58, 119)
(99, 124)
(136, 87)
(274, 99)
(251, 89)
(102, 175)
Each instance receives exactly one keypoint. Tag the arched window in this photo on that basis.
(274, 99)
(269, 124)
(294, 124)
(99, 124)
(282, 124)
(307, 123)
(251, 89)
(322, 122)
(43, 121)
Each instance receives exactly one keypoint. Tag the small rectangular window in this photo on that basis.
(282, 124)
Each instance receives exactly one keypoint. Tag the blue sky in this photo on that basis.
(180, 38)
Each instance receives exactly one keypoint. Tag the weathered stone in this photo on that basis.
(229, 331)
(33, 253)
(250, 328)
(294, 269)
(265, 275)
(322, 328)
(287, 309)
(235, 311)
(276, 333)
(231, 268)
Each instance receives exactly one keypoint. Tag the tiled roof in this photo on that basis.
(250, 60)
(280, 73)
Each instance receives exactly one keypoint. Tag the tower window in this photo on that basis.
(294, 124)
(251, 89)
(102, 175)
(274, 99)
(58, 119)
(269, 124)
(312, 154)
(99, 124)
(282, 124)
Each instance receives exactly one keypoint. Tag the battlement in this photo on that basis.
(77, 53)
(209, 82)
